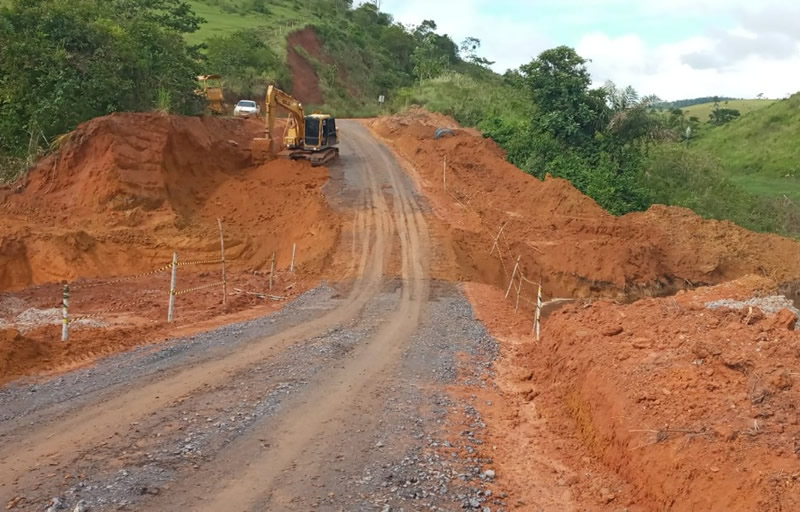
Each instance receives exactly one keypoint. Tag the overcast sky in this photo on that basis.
(675, 49)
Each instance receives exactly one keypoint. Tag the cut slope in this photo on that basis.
(127, 190)
(563, 237)
(305, 82)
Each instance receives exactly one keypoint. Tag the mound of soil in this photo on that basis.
(18, 353)
(561, 236)
(124, 161)
(696, 408)
(305, 81)
(127, 190)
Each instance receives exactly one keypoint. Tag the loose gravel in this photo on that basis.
(769, 305)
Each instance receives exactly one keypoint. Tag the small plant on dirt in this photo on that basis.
(163, 101)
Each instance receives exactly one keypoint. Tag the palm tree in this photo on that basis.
(631, 118)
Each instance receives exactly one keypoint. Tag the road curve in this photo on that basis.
(99, 431)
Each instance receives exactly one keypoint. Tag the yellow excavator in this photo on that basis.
(213, 92)
(307, 137)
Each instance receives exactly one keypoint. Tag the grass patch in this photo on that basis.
(703, 110)
(760, 151)
(224, 17)
(676, 175)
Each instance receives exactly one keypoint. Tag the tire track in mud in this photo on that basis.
(246, 473)
(27, 451)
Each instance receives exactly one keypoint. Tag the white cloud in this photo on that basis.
(739, 47)
(674, 70)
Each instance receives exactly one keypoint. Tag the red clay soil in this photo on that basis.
(305, 81)
(662, 404)
(563, 237)
(127, 190)
(659, 404)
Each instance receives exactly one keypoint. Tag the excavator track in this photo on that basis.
(316, 158)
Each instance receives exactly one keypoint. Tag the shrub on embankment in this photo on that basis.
(65, 62)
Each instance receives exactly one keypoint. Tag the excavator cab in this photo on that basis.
(320, 132)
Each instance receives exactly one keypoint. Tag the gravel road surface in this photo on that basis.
(338, 402)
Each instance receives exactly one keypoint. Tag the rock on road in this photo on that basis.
(337, 402)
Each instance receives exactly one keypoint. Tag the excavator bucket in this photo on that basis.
(261, 151)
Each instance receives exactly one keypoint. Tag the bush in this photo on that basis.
(247, 64)
(91, 58)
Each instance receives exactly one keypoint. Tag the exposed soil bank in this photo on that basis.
(124, 192)
(563, 237)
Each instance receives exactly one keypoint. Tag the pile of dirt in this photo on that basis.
(696, 408)
(305, 82)
(127, 190)
(562, 237)
(18, 353)
(662, 404)
(126, 161)
(121, 195)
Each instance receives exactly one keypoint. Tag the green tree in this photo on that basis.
(247, 63)
(64, 62)
(428, 61)
(469, 52)
(720, 116)
(560, 85)
(633, 118)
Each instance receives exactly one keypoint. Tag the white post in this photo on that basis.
(224, 279)
(172, 288)
(294, 252)
(65, 314)
(538, 313)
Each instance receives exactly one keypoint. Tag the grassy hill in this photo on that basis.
(703, 110)
(761, 151)
(224, 17)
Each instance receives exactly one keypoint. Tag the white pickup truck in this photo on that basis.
(246, 108)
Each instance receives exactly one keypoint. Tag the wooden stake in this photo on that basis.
(172, 288)
(537, 320)
(444, 174)
(498, 238)
(65, 314)
(272, 271)
(224, 278)
(294, 252)
(513, 275)
(519, 292)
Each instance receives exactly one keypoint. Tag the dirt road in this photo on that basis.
(323, 405)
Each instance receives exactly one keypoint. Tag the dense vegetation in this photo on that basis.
(619, 149)
(669, 105)
(65, 61)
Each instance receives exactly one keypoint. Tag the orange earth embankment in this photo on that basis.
(121, 195)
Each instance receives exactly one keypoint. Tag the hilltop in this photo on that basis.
(760, 150)
(703, 110)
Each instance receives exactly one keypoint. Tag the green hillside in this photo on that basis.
(144, 55)
(224, 17)
(761, 151)
(703, 110)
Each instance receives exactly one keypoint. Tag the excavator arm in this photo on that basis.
(295, 132)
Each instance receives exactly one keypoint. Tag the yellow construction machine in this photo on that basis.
(212, 91)
(307, 137)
